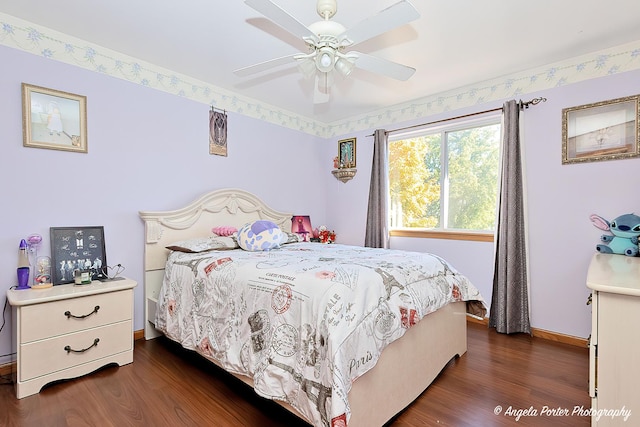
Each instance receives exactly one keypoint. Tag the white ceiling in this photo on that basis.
(453, 44)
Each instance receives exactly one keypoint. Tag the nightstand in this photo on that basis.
(67, 331)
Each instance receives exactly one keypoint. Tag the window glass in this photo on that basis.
(445, 178)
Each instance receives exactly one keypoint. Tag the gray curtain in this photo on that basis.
(377, 233)
(510, 300)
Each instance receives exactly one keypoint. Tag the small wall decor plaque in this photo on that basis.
(218, 132)
(347, 153)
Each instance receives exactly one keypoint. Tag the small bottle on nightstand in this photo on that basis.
(23, 266)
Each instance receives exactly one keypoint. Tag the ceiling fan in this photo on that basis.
(327, 41)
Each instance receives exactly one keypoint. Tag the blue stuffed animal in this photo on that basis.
(625, 230)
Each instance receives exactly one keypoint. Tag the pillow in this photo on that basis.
(289, 237)
(203, 244)
(259, 236)
(224, 230)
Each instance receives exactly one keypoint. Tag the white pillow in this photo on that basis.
(204, 244)
(260, 236)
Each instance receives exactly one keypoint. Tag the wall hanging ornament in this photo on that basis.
(218, 132)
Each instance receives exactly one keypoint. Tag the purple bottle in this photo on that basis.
(23, 266)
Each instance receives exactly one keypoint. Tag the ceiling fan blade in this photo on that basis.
(321, 88)
(282, 18)
(266, 65)
(394, 16)
(383, 66)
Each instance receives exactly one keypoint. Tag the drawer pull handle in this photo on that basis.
(95, 310)
(68, 348)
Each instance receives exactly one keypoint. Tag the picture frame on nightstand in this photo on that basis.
(77, 248)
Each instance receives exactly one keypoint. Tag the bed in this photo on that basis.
(285, 324)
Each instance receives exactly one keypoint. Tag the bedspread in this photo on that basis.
(305, 320)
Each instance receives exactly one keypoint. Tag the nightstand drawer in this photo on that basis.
(43, 357)
(49, 319)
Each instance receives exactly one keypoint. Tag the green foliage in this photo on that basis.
(470, 190)
(414, 187)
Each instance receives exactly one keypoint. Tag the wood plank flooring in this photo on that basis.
(167, 386)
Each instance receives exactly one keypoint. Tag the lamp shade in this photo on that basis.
(344, 66)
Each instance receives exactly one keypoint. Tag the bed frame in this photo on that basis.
(405, 368)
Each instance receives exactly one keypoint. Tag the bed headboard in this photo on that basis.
(225, 207)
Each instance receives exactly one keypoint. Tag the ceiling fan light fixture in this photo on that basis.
(307, 67)
(327, 41)
(325, 59)
(345, 65)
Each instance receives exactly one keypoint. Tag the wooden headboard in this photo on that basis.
(226, 207)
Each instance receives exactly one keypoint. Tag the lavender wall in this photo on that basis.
(147, 151)
(560, 200)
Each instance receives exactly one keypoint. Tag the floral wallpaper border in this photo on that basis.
(42, 41)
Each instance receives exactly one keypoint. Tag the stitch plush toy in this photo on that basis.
(625, 230)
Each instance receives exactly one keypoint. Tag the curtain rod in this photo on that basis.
(523, 105)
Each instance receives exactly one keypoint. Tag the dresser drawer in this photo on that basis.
(46, 320)
(46, 356)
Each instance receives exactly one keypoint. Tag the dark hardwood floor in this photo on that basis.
(167, 386)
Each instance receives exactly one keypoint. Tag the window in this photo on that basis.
(446, 178)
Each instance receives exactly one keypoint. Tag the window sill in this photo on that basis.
(437, 234)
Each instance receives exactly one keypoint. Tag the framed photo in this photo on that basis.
(53, 119)
(347, 153)
(607, 130)
(301, 225)
(77, 248)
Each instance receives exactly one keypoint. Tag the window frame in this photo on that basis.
(491, 118)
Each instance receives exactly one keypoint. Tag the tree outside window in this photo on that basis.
(445, 179)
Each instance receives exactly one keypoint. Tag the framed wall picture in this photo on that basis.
(347, 153)
(77, 248)
(53, 119)
(605, 130)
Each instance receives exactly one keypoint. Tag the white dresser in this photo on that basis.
(614, 356)
(70, 330)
